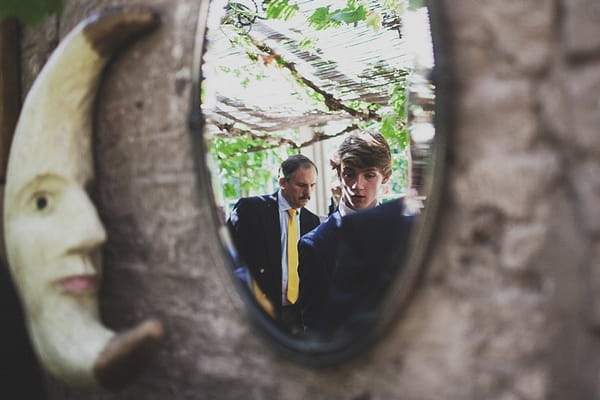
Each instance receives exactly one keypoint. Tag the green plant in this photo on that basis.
(247, 157)
(31, 12)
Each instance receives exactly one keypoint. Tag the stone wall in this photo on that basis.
(508, 305)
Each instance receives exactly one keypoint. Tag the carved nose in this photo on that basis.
(86, 231)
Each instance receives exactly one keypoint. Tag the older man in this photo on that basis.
(265, 231)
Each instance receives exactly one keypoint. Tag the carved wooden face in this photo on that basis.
(52, 230)
(54, 237)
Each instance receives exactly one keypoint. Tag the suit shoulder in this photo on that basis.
(310, 216)
(384, 220)
(250, 208)
(256, 201)
(325, 230)
(389, 212)
(309, 213)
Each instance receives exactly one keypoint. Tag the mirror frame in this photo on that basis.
(318, 352)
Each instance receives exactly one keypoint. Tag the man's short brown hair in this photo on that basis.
(362, 150)
(292, 163)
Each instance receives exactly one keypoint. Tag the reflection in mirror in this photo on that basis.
(347, 86)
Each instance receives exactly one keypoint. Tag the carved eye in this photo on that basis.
(41, 202)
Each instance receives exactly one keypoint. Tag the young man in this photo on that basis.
(363, 163)
(371, 251)
(260, 229)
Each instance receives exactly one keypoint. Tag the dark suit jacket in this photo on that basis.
(254, 226)
(371, 249)
(317, 253)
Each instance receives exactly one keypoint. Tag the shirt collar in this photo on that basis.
(345, 210)
(283, 203)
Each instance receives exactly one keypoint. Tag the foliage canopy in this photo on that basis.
(31, 12)
(247, 155)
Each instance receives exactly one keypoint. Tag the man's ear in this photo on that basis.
(385, 179)
(282, 182)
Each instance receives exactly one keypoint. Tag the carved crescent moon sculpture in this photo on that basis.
(52, 229)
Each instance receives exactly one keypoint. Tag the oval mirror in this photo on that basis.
(331, 80)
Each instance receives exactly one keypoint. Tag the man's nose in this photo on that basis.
(359, 183)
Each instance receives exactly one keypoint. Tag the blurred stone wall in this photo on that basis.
(508, 305)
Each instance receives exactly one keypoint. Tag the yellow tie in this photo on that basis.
(292, 257)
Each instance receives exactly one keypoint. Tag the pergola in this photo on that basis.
(262, 79)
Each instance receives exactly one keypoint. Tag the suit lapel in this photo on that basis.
(305, 223)
(272, 228)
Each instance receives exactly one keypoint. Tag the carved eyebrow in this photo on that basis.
(43, 181)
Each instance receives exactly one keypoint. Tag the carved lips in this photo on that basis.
(79, 284)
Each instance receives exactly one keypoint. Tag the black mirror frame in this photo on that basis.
(318, 352)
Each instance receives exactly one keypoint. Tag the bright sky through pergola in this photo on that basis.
(343, 63)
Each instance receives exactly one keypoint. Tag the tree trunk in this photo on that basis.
(508, 304)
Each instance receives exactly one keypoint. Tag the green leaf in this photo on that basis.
(388, 126)
(307, 44)
(414, 4)
(350, 16)
(281, 9)
(397, 6)
(229, 190)
(31, 12)
(374, 20)
(320, 18)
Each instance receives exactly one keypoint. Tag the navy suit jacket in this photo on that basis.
(317, 254)
(371, 248)
(254, 226)
(345, 263)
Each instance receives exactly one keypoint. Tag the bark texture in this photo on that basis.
(508, 307)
